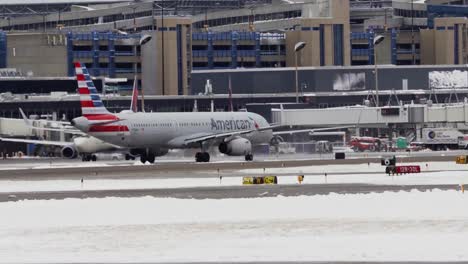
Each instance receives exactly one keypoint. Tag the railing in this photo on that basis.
(99, 71)
(360, 52)
(199, 53)
(272, 53)
(222, 53)
(126, 70)
(199, 36)
(272, 36)
(407, 51)
(124, 53)
(246, 53)
(359, 35)
(83, 54)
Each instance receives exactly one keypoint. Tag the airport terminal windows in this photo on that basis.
(407, 13)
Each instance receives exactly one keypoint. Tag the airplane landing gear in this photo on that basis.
(151, 157)
(202, 157)
(143, 158)
(248, 157)
(88, 157)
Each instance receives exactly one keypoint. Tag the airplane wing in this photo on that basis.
(312, 130)
(205, 137)
(36, 141)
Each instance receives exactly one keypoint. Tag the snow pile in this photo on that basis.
(448, 79)
(405, 226)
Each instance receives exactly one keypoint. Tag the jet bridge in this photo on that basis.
(411, 114)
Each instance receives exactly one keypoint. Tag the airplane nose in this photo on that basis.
(81, 123)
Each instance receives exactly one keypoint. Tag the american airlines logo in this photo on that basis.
(238, 124)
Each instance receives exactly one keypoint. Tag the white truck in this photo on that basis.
(442, 138)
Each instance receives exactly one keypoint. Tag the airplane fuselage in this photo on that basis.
(169, 130)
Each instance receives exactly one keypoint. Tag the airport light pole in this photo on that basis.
(143, 40)
(299, 46)
(377, 40)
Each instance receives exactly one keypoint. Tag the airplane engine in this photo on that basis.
(69, 152)
(236, 147)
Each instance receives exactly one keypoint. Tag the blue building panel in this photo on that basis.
(111, 47)
(210, 50)
(394, 46)
(434, 11)
(322, 45)
(3, 49)
(95, 53)
(338, 44)
(70, 57)
(455, 42)
(234, 38)
(370, 39)
(258, 62)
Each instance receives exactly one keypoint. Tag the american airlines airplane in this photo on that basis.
(153, 134)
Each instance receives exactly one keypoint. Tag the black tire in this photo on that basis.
(206, 157)
(83, 158)
(198, 157)
(143, 159)
(127, 157)
(248, 157)
(93, 158)
(151, 158)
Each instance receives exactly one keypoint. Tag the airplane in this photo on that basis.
(153, 134)
(82, 145)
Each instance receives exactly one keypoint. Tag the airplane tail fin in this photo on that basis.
(92, 106)
(231, 108)
(134, 103)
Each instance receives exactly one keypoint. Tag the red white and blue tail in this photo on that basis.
(134, 103)
(91, 104)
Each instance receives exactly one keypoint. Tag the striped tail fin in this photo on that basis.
(91, 104)
(134, 103)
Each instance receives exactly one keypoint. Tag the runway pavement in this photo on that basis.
(225, 192)
(116, 169)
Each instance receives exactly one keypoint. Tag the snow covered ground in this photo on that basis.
(403, 226)
(456, 174)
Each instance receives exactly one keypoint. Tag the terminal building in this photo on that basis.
(249, 42)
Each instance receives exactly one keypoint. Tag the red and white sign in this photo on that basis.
(407, 169)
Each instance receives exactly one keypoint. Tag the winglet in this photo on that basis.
(26, 120)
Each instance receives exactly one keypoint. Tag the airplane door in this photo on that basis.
(124, 134)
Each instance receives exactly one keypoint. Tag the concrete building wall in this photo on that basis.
(38, 54)
(319, 35)
(427, 46)
(446, 42)
(165, 60)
